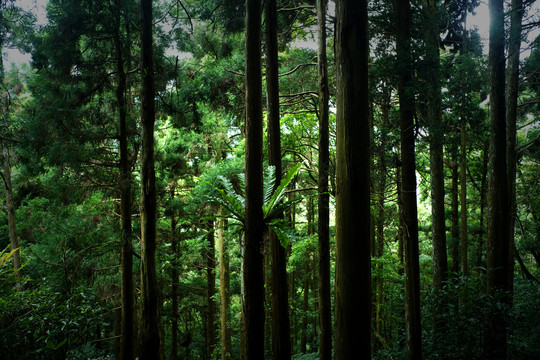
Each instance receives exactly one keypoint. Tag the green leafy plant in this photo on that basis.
(274, 204)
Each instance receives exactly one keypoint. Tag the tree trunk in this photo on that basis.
(463, 201)
(511, 119)
(150, 339)
(281, 333)
(224, 292)
(498, 203)
(432, 63)
(305, 308)
(352, 297)
(175, 281)
(379, 223)
(454, 230)
(127, 347)
(210, 292)
(323, 230)
(253, 277)
(479, 255)
(408, 184)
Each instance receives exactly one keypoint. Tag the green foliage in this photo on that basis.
(273, 208)
(41, 323)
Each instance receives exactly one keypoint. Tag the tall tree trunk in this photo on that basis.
(432, 63)
(463, 201)
(401, 223)
(210, 292)
(305, 308)
(127, 347)
(408, 184)
(12, 225)
(498, 203)
(514, 46)
(353, 299)
(379, 223)
(454, 230)
(150, 339)
(281, 333)
(253, 277)
(175, 282)
(224, 292)
(323, 227)
(479, 255)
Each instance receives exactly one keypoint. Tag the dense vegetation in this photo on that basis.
(205, 179)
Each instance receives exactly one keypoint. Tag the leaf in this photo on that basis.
(283, 231)
(4, 257)
(277, 211)
(280, 191)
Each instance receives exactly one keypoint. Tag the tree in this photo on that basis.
(325, 325)
(150, 339)
(413, 332)
(253, 277)
(432, 62)
(514, 49)
(352, 297)
(281, 333)
(498, 216)
(127, 349)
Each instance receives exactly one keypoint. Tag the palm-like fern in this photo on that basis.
(273, 204)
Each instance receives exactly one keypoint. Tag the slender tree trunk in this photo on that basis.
(454, 230)
(401, 223)
(210, 292)
(379, 223)
(325, 322)
(479, 255)
(12, 225)
(175, 281)
(353, 289)
(432, 62)
(408, 184)
(127, 347)
(463, 202)
(253, 277)
(514, 46)
(498, 203)
(305, 308)
(224, 292)
(150, 339)
(281, 333)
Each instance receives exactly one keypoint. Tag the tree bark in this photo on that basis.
(432, 63)
(253, 277)
(498, 203)
(150, 339)
(210, 292)
(175, 281)
(127, 324)
(379, 223)
(408, 184)
(323, 227)
(224, 292)
(463, 201)
(514, 46)
(353, 289)
(281, 333)
(454, 230)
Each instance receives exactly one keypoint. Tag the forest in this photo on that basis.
(277, 179)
